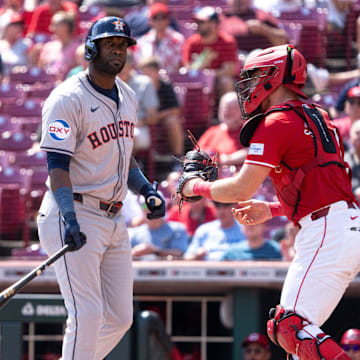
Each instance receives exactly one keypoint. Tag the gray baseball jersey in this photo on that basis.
(95, 281)
(81, 122)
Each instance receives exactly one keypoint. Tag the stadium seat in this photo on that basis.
(26, 125)
(6, 124)
(307, 32)
(10, 92)
(39, 91)
(15, 141)
(88, 13)
(31, 75)
(15, 175)
(36, 160)
(28, 107)
(12, 217)
(195, 92)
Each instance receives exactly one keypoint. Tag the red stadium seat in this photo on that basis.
(88, 13)
(195, 92)
(31, 75)
(7, 125)
(26, 125)
(12, 218)
(307, 32)
(10, 92)
(36, 160)
(14, 175)
(20, 108)
(15, 141)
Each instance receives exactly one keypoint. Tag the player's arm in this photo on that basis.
(61, 187)
(239, 187)
(139, 184)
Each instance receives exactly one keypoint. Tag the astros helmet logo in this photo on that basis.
(119, 25)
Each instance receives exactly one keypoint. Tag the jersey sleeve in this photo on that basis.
(60, 123)
(270, 141)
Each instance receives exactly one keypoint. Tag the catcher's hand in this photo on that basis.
(197, 164)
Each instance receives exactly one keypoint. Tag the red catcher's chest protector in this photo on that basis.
(328, 148)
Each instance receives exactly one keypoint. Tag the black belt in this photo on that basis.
(113, 207)
(324, 211)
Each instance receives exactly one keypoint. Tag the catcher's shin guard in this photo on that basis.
(297, 336)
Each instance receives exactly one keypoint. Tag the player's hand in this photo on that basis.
(73, 236)
(154, 202)
(252, 212)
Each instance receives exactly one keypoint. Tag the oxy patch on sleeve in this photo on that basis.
(59, 130)
(256, 149)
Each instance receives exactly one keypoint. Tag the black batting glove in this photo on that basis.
(73, 236)
(154, 201)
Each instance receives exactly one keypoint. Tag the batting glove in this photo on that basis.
(73, 236)
(154, 202)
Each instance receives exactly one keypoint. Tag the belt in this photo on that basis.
(110, 207)
(324, 211)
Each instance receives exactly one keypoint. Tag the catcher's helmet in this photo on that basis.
(103, 28)
(265, 71)
(351, 336)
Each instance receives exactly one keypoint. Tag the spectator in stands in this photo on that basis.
(352, 157)
(148, 102)
(14, 46)
(80, 62)
(158, 239)
(43, 14)
(212, 49)
(350, 342)
(256, 347)
(168, 114)
(255, 246)
(252, 28)
(278, 5)
(211, 240)
(192, 215)
(139, 19)
(132, 210)
(223, 139)
(336, 23)
(57, 56)
(285, 236)
(7, 12)
(352, 112)
(161, 40)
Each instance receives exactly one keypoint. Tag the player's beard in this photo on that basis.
(107, 67)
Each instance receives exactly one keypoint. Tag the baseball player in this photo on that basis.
(301, 150)
(88, 132)
(350, 342)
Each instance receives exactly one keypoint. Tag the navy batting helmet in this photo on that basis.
(103, 28)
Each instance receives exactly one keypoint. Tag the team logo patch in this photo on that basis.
(119, 26)
(256, 149)
(59, 130)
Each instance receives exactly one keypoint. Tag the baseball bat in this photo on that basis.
(13, 289)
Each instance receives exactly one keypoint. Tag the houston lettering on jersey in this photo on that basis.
(108, 132)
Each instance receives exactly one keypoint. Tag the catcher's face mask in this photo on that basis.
(250, 87)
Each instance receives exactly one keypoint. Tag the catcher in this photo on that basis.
(300, 149)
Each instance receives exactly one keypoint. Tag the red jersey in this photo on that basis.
(283, 137)
(218, 139)
(42, 15)
(224, 48)
(185, 218)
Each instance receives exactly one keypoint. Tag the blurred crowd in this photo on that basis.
(183, 69)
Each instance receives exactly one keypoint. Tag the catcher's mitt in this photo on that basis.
(196, 164)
